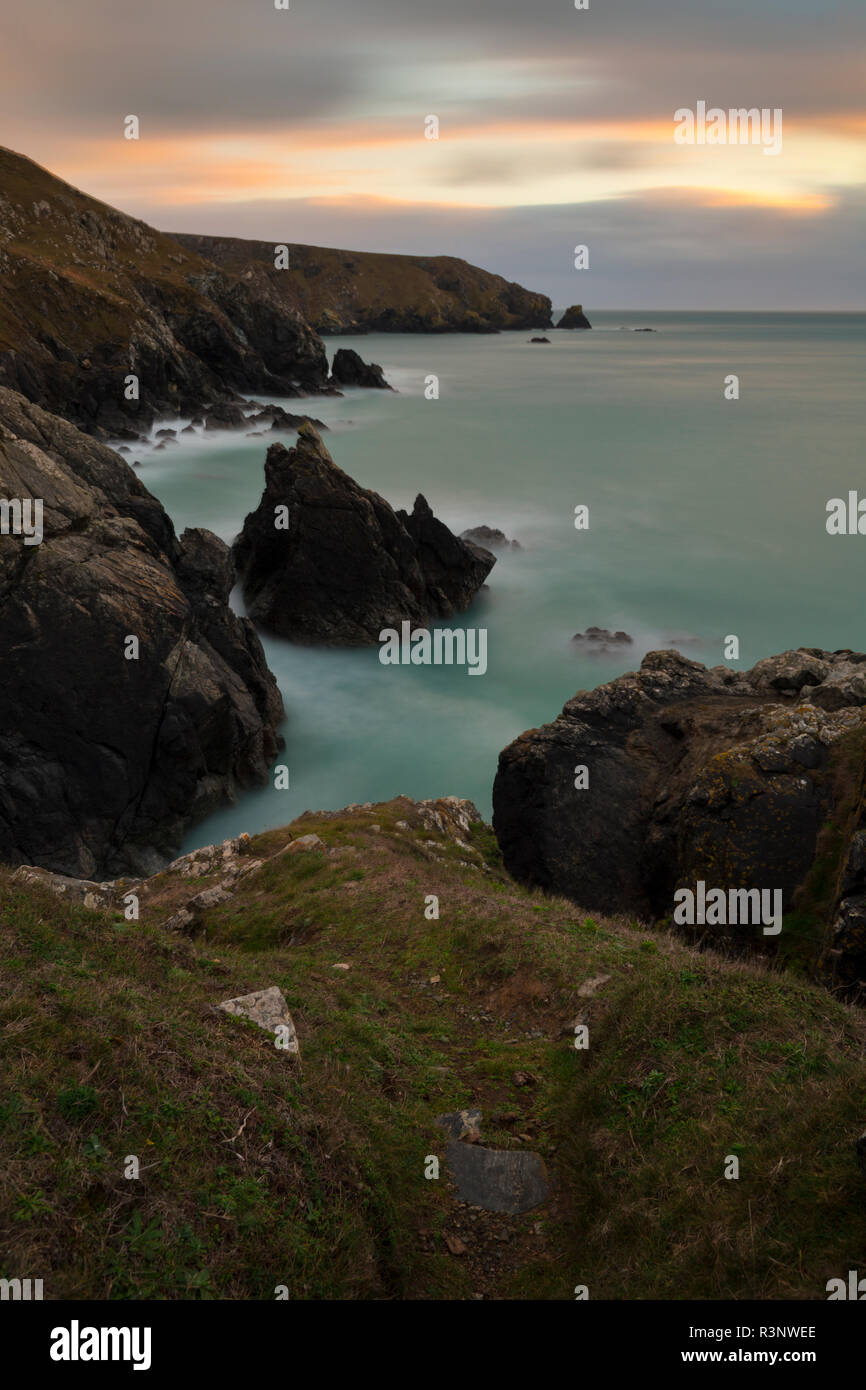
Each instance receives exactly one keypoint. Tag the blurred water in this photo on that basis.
(707, 517)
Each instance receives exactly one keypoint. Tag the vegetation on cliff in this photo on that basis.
(258, 1172)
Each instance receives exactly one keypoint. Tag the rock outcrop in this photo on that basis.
(372, 292)
(748, 779)
(599, 640)
(574, 317)
(346, 565)
(350, 369)
(90, 297)
(489, 538)
(133, 701)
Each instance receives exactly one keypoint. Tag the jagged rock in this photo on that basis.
(539, 340)
(489, 538)
(599, 640)
(267, 1008)
(348, 565)
(350, 369)
(696, 775)
(210, 857)
(574, 317)
(104, 761)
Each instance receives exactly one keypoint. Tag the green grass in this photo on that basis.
(256, 1172)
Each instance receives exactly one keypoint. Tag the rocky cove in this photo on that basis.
(324, 562)
(366, 1044)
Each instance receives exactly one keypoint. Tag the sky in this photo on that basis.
(556, 129)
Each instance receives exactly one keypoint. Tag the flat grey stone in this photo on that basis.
(503, 1180)
(81, 890)
(268, 1009)
(209, 897)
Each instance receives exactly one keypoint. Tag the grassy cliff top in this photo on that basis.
(257, 1171)
(339, 291)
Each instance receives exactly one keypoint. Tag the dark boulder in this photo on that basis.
(574, 317)
(347, 565)
(228, 415)
(350, 369)
(105, 761)
(736, 779)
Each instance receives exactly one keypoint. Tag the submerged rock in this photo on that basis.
(109, 748)
(598, 639)
(347, 565)
(718, 776)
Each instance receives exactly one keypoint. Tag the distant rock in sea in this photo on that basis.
(280, 420)
(227, 416)
(574, 317)
(599, 639)
(539, 340)
(345, 565)
(140, 702)
(350, 369)
(489, 538)
(736, 779)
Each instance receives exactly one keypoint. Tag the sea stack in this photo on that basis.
(574, 317)
(324, 561)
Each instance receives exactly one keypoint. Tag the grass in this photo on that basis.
(256, 1171)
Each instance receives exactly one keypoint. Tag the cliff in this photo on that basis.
(133, 700)
(89, 296)
(372, 292)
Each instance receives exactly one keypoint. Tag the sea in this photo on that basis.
(707, 516)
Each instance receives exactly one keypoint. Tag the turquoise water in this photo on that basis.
(707, 518)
